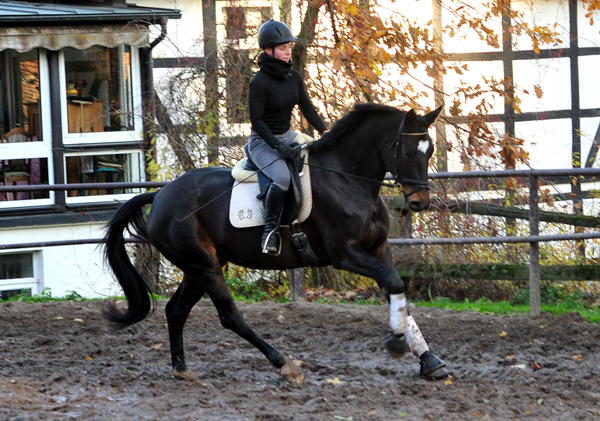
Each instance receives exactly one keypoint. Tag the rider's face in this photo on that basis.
(281, 51)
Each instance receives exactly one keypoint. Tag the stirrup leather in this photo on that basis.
(273, 237)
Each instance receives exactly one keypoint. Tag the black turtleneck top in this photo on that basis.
(274, 92)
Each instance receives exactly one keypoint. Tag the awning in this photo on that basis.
(81, 37)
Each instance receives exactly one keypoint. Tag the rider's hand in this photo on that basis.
(284, 150)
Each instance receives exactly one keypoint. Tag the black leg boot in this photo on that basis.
(271, 243)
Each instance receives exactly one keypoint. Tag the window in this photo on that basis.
(24, 150)
(99, 85)
(235, 22)
(20, 95)
(25, 171)
(102, 168)
(17, 274)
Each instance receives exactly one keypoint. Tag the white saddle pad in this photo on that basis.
(246, 211)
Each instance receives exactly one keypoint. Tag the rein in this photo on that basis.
(421, 185)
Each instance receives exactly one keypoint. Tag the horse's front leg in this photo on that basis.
(405, 333)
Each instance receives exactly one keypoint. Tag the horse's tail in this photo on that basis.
(137, 291)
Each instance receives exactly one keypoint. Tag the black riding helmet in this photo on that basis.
(273, 33)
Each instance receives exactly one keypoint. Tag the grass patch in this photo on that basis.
(590, 313)
(45, 297)
(249, 293)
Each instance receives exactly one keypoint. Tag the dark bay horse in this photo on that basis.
(347, 228)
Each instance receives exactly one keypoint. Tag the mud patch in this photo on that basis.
(61, 361)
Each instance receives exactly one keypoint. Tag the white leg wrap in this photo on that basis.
(415, 338)
(398, 314)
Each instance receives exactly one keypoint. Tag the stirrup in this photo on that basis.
(277, 239)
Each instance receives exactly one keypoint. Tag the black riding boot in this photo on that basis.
(271, 243)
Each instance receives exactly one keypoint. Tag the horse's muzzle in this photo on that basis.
(418, 201)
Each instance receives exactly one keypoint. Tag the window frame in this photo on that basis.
(35, 282)
(104, 198)
(105, 137)
(42, 148)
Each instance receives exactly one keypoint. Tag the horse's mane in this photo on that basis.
(349, 122)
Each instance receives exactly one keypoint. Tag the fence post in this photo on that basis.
(534, 249)
(296, 277)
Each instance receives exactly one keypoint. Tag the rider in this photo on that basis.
(274, 92)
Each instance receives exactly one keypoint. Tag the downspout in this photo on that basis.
(163, 33)
(148, 101)
(147, 258)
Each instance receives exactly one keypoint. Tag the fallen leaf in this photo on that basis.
(447, 382)
(156, 346)
(298, 362)
(535, 366)
(540, 401)
(134, 373)
(503, 333)
(403, 414)
(577, 357)
(88, 357)
(280, 318)
(335, 380)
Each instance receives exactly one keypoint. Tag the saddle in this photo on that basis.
(246, 208)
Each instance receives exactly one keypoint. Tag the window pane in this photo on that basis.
(22, 172)
(15, 266)
(103, 168)
(5, 295)
(99, 96)
(19, 96)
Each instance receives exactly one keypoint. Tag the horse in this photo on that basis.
(348, 228)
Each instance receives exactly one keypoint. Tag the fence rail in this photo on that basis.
(534, 218)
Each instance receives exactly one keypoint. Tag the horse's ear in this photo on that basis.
(430, 118)
(410, 118)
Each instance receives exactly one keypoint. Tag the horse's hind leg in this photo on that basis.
(178, 309)
(232, 319)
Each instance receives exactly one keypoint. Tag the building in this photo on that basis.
(74, 76)
(74, 89)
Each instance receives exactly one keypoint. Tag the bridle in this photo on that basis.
(420, 185)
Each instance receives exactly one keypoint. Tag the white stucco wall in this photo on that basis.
(63, 269)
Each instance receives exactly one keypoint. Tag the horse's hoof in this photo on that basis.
(432, 368)
(292, 373)
(186, 374)
(396, 345)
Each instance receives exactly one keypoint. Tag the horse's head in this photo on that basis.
(409, 163)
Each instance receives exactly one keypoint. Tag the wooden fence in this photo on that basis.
(534, 272)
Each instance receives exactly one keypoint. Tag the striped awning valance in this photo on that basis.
(24, 39)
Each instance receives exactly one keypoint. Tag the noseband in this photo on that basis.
(420, 185)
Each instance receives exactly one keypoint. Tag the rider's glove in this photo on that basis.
(285, 150)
